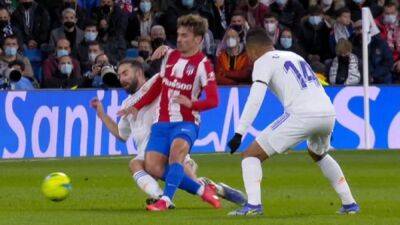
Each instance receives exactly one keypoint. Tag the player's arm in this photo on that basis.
(111, 125)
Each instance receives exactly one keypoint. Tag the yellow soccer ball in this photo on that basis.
(56, 186)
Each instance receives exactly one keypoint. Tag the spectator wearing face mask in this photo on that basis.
(287, 42)
(355, 7)
(344, 68)
(255, 12)
(57, 18)
(158, 37)
(51, 74)
(221, 13)
(140, 22)
(10, 54)
(290, 13)
(380, 56)
(271, 26)
(68, 30)
(329, 7)
(342, 28)
(314, 34)
(94, 50)
(389, 26)
(64, 76)
(114, 45)
(33, 21)
(6, 27)
(111, 14)
(90, 35)
(24, 83)
(233, 64)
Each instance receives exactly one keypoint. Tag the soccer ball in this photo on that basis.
(56, 186)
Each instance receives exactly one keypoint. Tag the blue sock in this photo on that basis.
(173, 179)
(187, 183)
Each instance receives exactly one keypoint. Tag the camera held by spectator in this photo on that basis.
(109, 76)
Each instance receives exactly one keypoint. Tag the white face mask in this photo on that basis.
(327, 2)
(389, 19)
(270, 27)
(92, 56)
(231, 42)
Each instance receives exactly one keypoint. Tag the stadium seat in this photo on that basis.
(35, 57)
(132, 53)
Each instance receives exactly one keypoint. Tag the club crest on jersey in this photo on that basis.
(190, 69)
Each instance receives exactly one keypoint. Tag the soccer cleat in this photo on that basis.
(210, 196)
(151, 201)
(353, 208)
(232, 194)
(248, 210)
(160, 205)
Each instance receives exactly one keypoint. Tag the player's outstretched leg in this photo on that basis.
(252, 176)
(226, 192)
(144, 181)
(331, 170)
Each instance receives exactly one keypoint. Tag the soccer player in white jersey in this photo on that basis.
(132, 79)
(309, 115)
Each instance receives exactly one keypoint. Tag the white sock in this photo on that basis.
(331, 169)
(252, 175)
(148, 184)
(200, 192)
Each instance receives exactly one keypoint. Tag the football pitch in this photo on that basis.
(294, 192)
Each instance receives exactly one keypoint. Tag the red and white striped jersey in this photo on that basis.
(186, 76)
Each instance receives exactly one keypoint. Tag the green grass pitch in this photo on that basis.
(294, 192)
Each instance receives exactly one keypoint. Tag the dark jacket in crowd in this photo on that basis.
(117, 20)
(215, 17)
(52, 77)
(114, 47)
(56, 16)
(39, 23)
(355, 9)
(75, 38)
(290, 15)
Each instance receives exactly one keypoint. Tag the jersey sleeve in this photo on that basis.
(206, 73)
(124, 128)
(262, 70)
(164, 62)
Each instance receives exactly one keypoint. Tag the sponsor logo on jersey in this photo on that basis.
(177, 85)
(190, 69)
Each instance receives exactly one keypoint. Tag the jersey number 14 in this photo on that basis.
(303, 76)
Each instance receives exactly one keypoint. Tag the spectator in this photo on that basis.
(114, 45)
(328, 6)
(271, 26)
(389, 26)
(94, 50)
(95, 76)
(158, 37)
(220, 17)
(68, 30)
(144, 48)
(126, 6)
(233, 64)
(25, 83)
(342, 28)
(314, 34)
(239, 23)
(52, 76)
(33, 21)
(90, 35)
(290, 13)
(139, 23)
(255, 12)
(288, 42)
(6, 28)
(344, 68)
(355, 7)
(380, 57)
(10, 54)
(57, 18)
(112, 15)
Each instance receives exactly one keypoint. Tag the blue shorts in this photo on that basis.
(164, 133)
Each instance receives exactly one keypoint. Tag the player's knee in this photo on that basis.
(314, 156)
(154, 170)
(136, 166)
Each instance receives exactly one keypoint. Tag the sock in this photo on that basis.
(252, 175)
(187, 184)
(147, 184)
(173, 179)
(331, 170)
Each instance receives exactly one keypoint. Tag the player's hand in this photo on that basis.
(130, 110)
(98, 106)
(183, 100)
(159, 52)
(235, 142)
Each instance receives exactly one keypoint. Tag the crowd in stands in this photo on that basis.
(73, 43)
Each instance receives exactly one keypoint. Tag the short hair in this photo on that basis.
(271, 15)
(315, 10)
(68, 10)
(17, 62)
(131, 62)
(92, 43)
(389, 4)
(258, 37)
(144, 39)
(238, 13)
(196, 23)
(90, 23)
(11, 36)
(64, 56)
(343, 46)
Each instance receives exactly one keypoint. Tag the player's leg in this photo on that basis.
(318, 146)
(144, 181)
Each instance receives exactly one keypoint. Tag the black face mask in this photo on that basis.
(69, 24)
(3, 23)
(144, 54)
(106, 9)
(237, 28)
(27, 5)
(157, 43)
(344, 59)
(253, 3)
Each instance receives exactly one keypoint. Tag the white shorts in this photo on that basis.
(289, 130)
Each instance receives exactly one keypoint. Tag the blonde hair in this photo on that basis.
(197, 24)
(343, 46)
